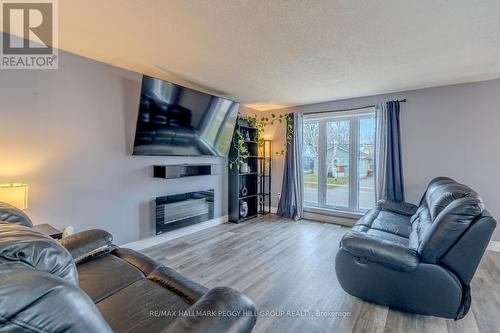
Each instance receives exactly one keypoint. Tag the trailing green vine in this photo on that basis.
(260, 123)
(239, 144)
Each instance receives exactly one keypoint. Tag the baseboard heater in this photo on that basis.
(183, 170)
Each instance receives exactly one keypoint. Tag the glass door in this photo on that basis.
(310, 162)
(338, 160)
(337, 164)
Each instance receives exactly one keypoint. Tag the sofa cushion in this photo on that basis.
(443, 192)
(152, 310)
(26, 248)
(420, 223)
(11, 214)
(403, 208)
(382, 222)
(164, 276)
(388, 237)
(106, 275)
(394, 223)
(448, 210)
(382, 236)
(37, 301)
(127, 267)
(447, 228)
(365, 223)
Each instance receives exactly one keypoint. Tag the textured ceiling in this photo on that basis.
(289, 52)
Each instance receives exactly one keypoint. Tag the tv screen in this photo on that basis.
(174, 120)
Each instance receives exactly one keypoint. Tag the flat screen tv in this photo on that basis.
(178, 121)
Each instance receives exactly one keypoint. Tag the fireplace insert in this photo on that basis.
(180, 210)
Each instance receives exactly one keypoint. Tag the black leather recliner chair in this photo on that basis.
(418, 259)
(86, 284)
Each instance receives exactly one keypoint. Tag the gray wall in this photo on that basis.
(68, 134)
(450, 131)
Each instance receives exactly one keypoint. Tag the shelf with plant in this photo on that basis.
(260, 123)
(242, 148)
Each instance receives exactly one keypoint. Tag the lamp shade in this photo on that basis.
(15, 195)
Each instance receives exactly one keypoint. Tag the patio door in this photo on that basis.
(338, 160)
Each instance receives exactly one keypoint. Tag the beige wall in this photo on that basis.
(446, 131)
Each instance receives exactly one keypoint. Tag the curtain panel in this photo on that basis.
(292, 191)
(380, 151)
(388, 161)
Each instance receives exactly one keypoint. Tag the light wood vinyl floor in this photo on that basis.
(284, 265)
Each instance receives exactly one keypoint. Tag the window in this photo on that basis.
(338, 160)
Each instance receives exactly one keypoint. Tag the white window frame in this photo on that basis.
(354, 117)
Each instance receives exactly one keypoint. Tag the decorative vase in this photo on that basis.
(244, 191)
(244, 167)
(247, 137)
(243, 208)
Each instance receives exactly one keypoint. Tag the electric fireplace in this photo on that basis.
(180, 210)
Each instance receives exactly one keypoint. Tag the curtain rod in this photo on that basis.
(352, 109)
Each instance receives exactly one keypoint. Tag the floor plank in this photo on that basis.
(284, 265)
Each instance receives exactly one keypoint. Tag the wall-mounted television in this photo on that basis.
(178, 121)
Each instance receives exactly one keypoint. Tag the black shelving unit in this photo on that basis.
(240, 179)
(265, 166)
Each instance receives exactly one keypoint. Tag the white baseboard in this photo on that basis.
(494, 246)
(155, 240)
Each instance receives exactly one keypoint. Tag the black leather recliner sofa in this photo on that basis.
(418, 259)
(86, 284)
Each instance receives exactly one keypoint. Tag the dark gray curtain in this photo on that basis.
(290, 204)
(394, 166)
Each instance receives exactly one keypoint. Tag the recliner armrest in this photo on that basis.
(403, 208)
(221, 309)
(180, 284)
(85, 244)
(381, 251)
